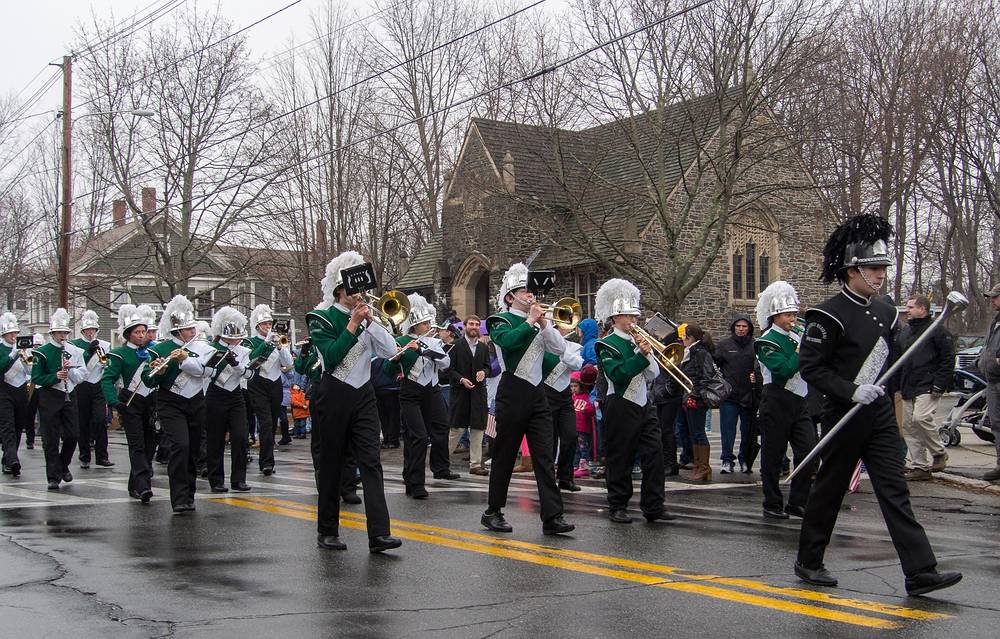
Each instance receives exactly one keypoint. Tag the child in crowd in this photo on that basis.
(300, 411)
(582, 382)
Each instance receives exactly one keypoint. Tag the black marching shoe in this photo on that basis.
(795, 511)
(67, 476)
(219, 489)
(557, 526)
(619, 516)
(241, 487)
(106, 463)
(84, 464)
(926, 582)
(351, 498)
(145, 496)
(495, 521)
(330, 542)
(134, 494)
(663, 515)
(383, 543)
(570, 485)
(183, 508)
(815, 576)
(54, 484)
(268, 471)
(770, 513)
(15, 469)
(418, 493)
(447, 475)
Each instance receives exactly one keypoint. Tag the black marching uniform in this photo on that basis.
(848, 343)
(265, 393)
(225, 410)
(556, 372)
(13, 403)
(134, 405)
(57, 411)
(93, 407)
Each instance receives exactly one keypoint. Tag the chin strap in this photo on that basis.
(875, 288)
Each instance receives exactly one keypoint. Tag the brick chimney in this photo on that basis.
(148, 201)
(118, 212)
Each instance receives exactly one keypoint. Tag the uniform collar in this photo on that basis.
(132, 346)
(340, 307)
(56, 344)
(9, 343)
(176, 340)
(514, 311)
(860, 300)
(625, 336)
(778, 329)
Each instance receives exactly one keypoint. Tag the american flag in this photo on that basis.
(856, 477)
(491, 425)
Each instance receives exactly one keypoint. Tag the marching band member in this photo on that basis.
(89, 396)
(202, 345)
(783, 414)
(420, 402)
(265, 385)
(522, 334)
(344, 336)
(179, 401)
(132, 401)
(632, 427)
(157, 452)
(225, 407)
(13, 392)
(846, 347)
(556, 370)
(58, 367)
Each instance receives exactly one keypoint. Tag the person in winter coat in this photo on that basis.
(735, 358)
(923, 379)
(989, 365)
(699, 367)
(300, 411)
(588, 337)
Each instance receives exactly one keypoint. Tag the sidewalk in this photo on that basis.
(968, 461)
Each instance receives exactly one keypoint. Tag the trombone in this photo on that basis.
(668, 356)
(390, 310)
(566, 313)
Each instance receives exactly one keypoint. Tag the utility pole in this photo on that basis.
(66, 226)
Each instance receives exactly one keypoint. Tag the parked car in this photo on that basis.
(967, 349)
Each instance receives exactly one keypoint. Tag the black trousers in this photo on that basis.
(633, 430)
(873, 437)
(93, 421)
(58, 426)
(265, 397)
(422, 408)
(180, 419)
(349, 474)
(563, 431)
(28, 427)
(283, 421)
(666, 415)
(388, 414)
(522, 410)
(137, 422)
(226, 412)
(783, 420)
(13, 414)
(348, 416)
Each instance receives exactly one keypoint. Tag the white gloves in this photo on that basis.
(867, 393)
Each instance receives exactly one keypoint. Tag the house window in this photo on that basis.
(20, 304)
(281, 302)
(203, 305)
(245, 298)
(586, 289)
(753, 243)
(118, 297)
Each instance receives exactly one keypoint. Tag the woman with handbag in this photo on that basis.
(699, 366)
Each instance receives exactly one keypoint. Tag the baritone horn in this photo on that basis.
(391, 309)
(668, 356)
(566, 313)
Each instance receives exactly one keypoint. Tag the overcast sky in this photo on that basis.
(37, 32)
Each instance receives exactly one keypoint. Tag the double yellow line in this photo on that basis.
(745, 591)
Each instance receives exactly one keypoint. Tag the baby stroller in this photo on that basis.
(969, 410)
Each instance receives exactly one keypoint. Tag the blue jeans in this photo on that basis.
(691, 426)
(729, 413)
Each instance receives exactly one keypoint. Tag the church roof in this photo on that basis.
(421, 273)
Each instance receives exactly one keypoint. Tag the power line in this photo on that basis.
(355, 84)
(204, 48)
(504, 85)
(135, 25)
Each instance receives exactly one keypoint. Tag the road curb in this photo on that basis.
(968, 482)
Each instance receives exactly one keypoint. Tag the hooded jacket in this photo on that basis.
(735, 358)
(930, 369)
(987, 360)
(588, 331)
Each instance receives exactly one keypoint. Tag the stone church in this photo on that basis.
(635, 196)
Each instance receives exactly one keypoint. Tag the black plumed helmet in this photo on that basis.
(860, 241)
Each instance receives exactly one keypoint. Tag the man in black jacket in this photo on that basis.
(735, 357)
(989, 366)
(923, 379)
(470, 366)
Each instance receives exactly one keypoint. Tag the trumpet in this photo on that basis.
(279, 340)
(566, 313)
(102, 357)
(390, 310)
(161, 365)
(27, 357)
(302, 343)
(668, 356)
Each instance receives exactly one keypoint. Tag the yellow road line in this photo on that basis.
(498, 550)
(870, 606)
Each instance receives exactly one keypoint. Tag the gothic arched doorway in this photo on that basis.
(470, 292)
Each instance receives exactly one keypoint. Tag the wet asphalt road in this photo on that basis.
(90, 562)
